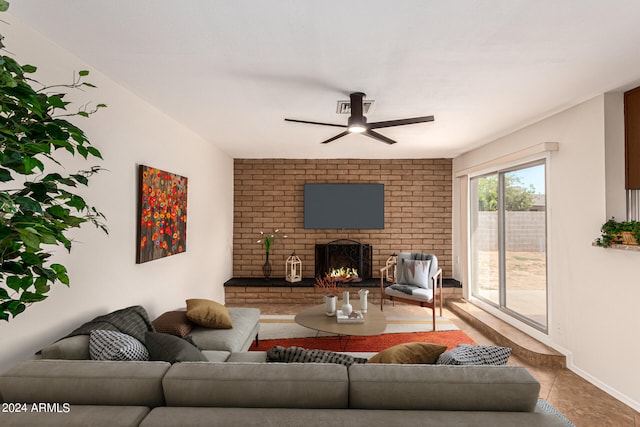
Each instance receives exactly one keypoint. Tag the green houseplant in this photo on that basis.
(619, 232)
(37, 209)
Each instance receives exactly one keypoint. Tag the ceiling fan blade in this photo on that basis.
(400, 122)
(315, 123)
(379, 137)
(340, 135)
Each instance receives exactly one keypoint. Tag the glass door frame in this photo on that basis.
(501, 307)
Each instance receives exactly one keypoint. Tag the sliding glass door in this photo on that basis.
(508, 243)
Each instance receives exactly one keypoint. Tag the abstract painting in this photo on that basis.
(162, 214)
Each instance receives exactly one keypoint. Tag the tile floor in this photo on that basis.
(580, 401)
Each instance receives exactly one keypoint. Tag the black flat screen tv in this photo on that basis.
(344, 206)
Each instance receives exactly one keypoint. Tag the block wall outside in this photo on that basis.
(525, 231)
(269, 194)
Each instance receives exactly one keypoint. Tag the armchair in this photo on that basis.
(414, 278)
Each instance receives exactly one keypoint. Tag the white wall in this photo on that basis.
(104, 276)
(594, 292)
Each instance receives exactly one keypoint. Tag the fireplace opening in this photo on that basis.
(344, 253)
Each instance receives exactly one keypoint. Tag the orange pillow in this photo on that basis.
(413, 352)
(208, 313)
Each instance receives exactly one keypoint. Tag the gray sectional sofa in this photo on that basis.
(246, 391)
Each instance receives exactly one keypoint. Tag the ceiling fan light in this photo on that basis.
(356, 128)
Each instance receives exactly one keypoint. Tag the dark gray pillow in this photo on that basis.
(172, 349)
(466, 354)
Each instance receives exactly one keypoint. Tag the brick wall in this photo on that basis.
(269, 193)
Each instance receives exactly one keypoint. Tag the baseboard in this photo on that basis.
(604, 387)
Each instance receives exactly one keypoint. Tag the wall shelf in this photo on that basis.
(629, 248)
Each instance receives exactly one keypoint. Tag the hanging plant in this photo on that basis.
(37, 209)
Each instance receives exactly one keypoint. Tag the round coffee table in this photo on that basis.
(315, 318)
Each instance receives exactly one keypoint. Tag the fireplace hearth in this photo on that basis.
(344, 253)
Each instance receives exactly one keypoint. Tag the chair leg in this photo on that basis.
(433, 314)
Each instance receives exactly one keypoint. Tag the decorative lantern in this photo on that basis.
(293, 268)
(390, 273)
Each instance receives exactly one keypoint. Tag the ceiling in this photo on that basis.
(233, 70)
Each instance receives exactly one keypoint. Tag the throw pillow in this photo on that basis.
(112, 345)
(466, 354)
(174, 323)
(416, 273)
(413, 352)
(172, 349)
(208, 313)
(301, 355)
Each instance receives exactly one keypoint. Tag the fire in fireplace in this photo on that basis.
(344, 254)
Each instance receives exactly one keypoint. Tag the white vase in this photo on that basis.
(346, 307)
(363, 293)
(330, 301)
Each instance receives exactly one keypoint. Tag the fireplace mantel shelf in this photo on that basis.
(308, 283)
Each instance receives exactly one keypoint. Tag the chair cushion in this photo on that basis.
(417, 293)
(415, 272)
(415, 256)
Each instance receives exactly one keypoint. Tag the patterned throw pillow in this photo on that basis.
(416, 272)
(301, 355)
(112, 345)
(466, 354)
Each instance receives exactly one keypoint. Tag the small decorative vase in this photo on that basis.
(346, 307)
(330, 301)
(266, 268)
(363, 293)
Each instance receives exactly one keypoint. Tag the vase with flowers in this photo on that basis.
(267, 241)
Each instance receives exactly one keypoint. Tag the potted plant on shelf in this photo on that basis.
(619, 233)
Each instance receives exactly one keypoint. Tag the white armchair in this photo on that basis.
(414, 278)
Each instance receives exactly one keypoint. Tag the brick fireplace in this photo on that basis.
(269, 193)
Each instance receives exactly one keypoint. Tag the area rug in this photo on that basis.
(367, 344)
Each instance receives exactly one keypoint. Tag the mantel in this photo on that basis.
(628, 248)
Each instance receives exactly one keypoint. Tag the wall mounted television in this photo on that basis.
(344, 206)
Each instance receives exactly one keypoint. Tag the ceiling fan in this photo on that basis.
(357, 122)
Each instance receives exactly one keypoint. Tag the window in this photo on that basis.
(508, 243)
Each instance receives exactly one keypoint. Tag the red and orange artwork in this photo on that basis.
(162, 214)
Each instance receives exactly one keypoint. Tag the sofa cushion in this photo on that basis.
(77, 416)
(257, 385)
(172, 349)
(413, 352)
(246, 324)
(112, 345)
(466, 354)
(85, 382)
(439, 387)
(71, 348)
(208, 313)
(174, 323)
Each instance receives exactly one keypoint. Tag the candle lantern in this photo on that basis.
(293, 268)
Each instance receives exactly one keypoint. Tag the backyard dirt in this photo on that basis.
(525, 270)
